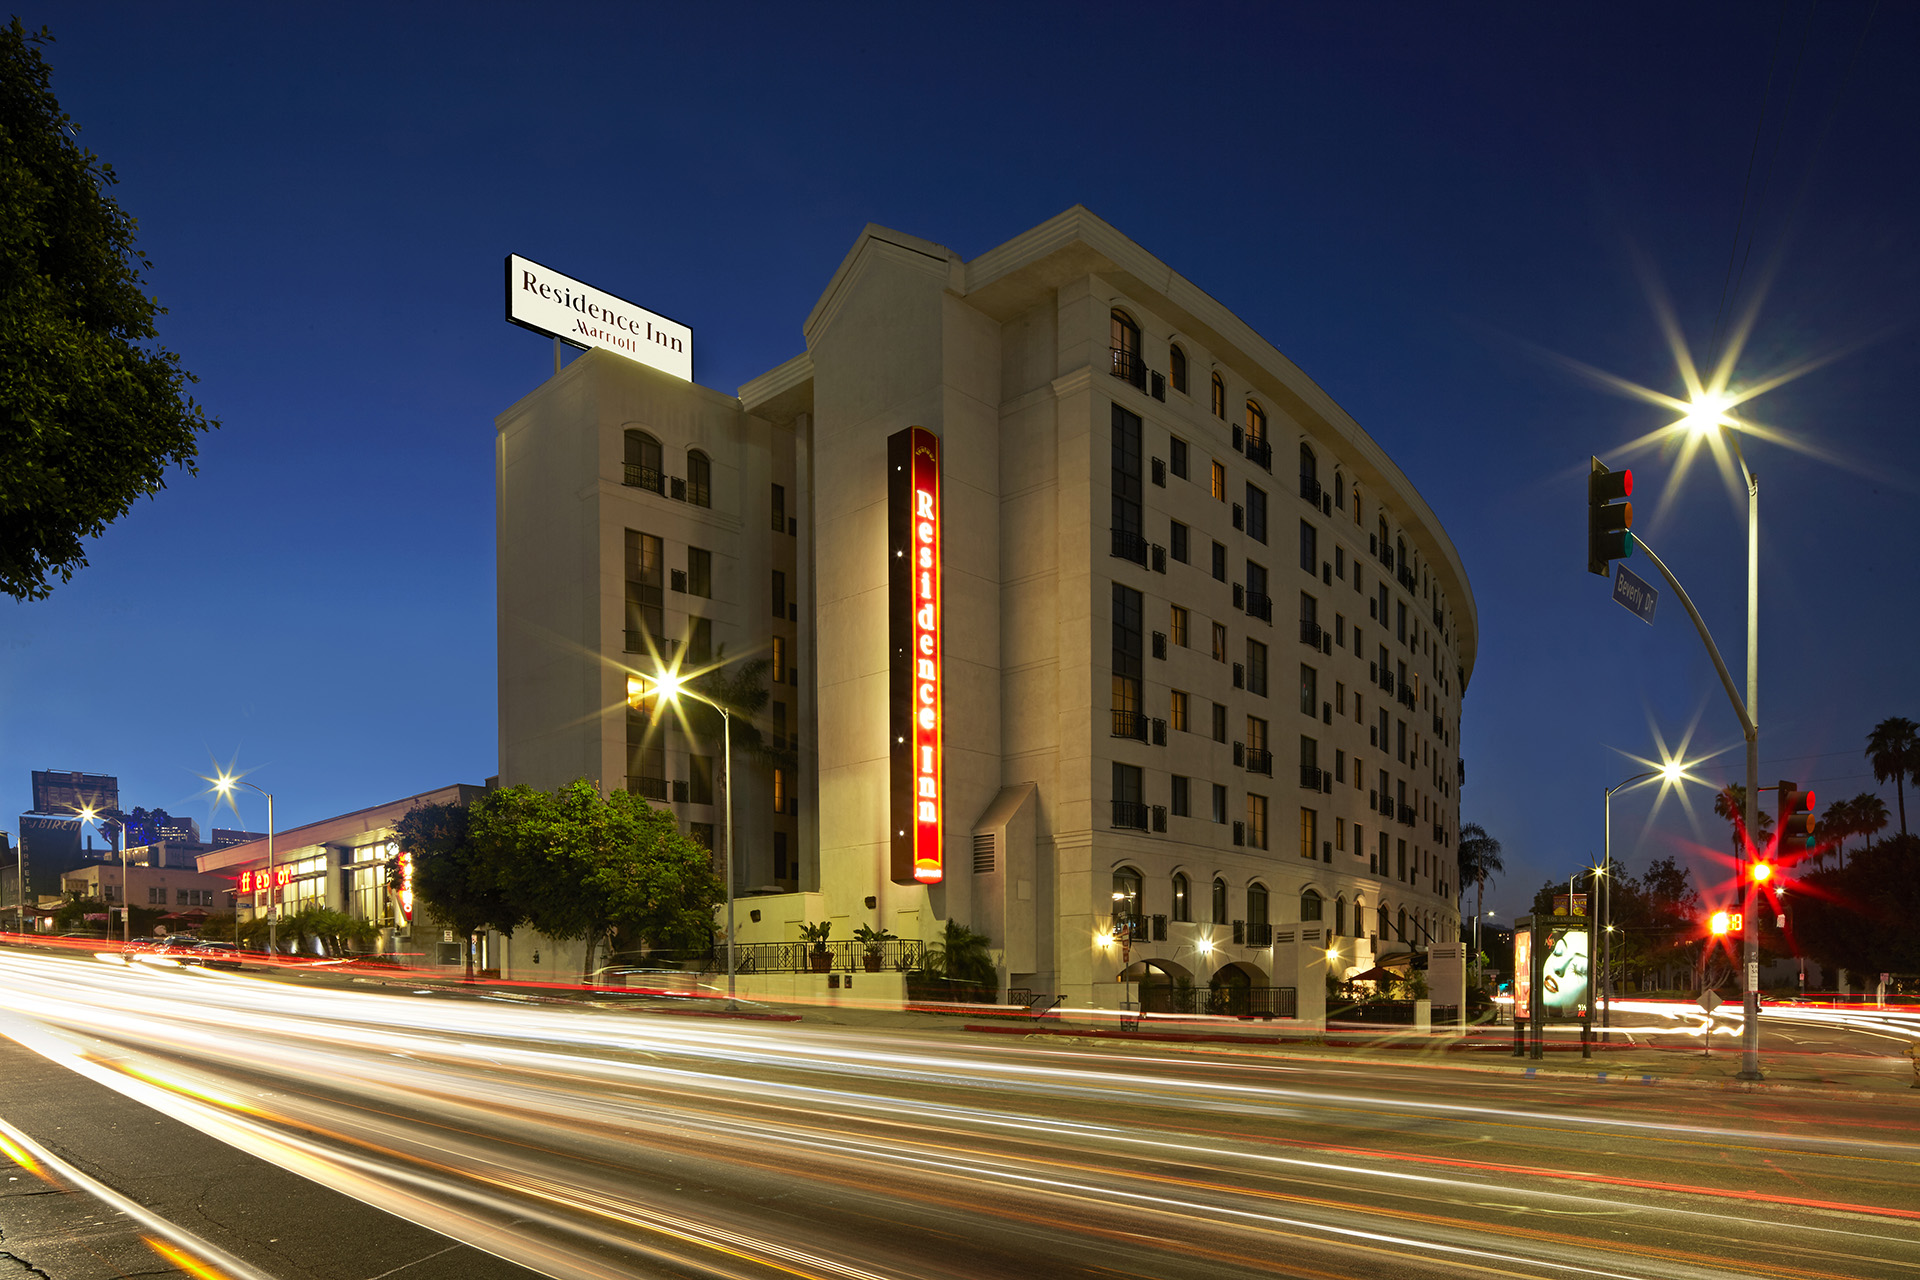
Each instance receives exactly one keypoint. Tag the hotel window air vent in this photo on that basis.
(680, 580)
(679, 489)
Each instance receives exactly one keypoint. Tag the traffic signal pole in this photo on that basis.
(1747, 710)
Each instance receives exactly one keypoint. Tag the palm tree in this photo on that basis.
(1842, 820)
(1731, 804)
(1479, 857)
(1869, 815)
(1894, 750)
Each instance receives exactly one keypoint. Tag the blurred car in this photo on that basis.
(200, 951)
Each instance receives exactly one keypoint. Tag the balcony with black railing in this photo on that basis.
(1310, 633)
(1386, 556)
(1259, 934)
(651, 788)
(1129, 367)
(1407, 816)
(1386, 680)
(1259, 760)
(1439, 833)
(1260, 605)
(1310, 489)
(1311, 777)
(1260, 453)
(1406, 698)
(1129, 545)
(1129, 724)
(652, 479)
(1407, 577)
(1386, 806)
(1439, 725)
(1130, 814)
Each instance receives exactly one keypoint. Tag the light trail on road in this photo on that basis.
(589, 1142)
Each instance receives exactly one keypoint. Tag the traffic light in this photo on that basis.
(1760, 872)
(1795, 820)
(1609, 519)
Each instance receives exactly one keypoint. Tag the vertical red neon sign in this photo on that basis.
(928, 865)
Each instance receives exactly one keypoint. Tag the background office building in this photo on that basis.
(1197, 646)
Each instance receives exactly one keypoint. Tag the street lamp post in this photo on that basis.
(225, 784)
(1671, 772)
(672, 687)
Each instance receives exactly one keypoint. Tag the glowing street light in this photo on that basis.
(669, 685)
(224, 784)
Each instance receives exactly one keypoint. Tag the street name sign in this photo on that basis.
(1634, 595)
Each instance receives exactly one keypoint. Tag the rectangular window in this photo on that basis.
(1179, 804)
(646, 617)
(1256, 734)
(1340, 630)
(1400, 609)
(779, 790)
(1340, 834)
(779, 726)
(1400, 740)
(1219, 481)
(1179, 626)
(1309, 690)
(1177, 456)
(1127, 788)
(1309, 608)
(1382, 614)
(699, 779)
(1256, 513)
(1309, 833)
(1340, 697)
(1177, 541)
(699, 572)
(1219, 803)
(699, 641)
(779, 508)
(779, 594)
(780, 864)
(1309, 548)
(1219, 642)
(1177, 710)
(1256, 581)
(1256, 821)
(1126, 472)
(1128, 652)
(1220, 561)
(1339, 561)
(1256, 668)
(1339, 766)
(778, 659)
(1359, 646)
(1400, 861)
(1219, 722)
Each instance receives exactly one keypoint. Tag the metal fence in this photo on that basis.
(895, 954)
(1224, 1001)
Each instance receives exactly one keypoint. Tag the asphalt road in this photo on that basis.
(585, 1142)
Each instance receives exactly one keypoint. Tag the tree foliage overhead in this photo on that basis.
(92, 411)
(1893, 748)
(1860, 915)
(570, 863)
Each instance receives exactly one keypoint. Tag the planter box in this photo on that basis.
(870, 963)
(820, 962)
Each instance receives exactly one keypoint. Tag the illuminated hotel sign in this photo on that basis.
(914, 637)
(547, 302)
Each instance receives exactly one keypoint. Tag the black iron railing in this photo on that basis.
(1310, 489)
(1260, 605)
(1310, 776)
(651, 788)
(1130, 815)
(1310, 632)
(1260, 453)
(849, 956)
(1129, 724)
(1407, 578)
(651, 479)
(1128, 366)
(1222, 1001)
(1259, 761)
(1128, 545)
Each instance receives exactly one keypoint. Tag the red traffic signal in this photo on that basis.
(1760, 872)
(1795, 820)
(1609, 518)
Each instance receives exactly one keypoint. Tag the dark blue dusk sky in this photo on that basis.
(1412, 202)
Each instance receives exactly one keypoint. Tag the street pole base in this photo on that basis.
(1749, 1075)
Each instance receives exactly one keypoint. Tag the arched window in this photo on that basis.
(1339, 490)
(1181, 910)
(1219, 900)
(1309, 466)
(1126, 350)
(1385, 545)
(1219, 398)
(1400, 545)
(1127, 887)
(1177, 368)
(1256, 422)
(1340, 916)
(1310, 905)
(1257, 903)
(1381, 929)
(643, 462)
(699, 479)
(1402, 922)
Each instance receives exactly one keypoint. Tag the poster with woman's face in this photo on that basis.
(1563, 975)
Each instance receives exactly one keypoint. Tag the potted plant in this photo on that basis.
(871, 938)
(819, 959)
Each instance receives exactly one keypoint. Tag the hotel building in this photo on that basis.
(1139, 657)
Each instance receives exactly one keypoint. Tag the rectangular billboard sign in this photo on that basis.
(65, 793)
(543, 300)
(915, 636)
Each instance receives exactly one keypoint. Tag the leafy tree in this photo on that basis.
(454, 876)
(602, 868)
(95, 410)
(1859, 916)
(962, 956)
(1894, 750)
(339, 931)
